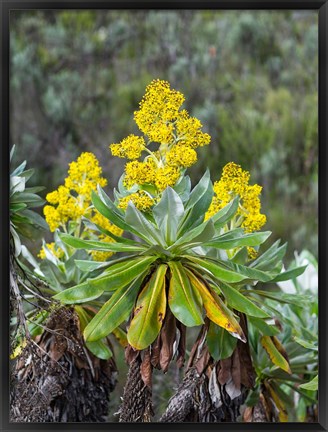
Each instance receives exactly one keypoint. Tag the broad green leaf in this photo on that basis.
(100, 349)
(183, 188)
(35, 189)
(149, 312)
(140, 224)
(89, 266)
(113, 312)
(27, 174)
(35, 218)
(248, 272)
(27, 198)
(281, 297)
(221, 273)
(79, 294)
(168, 213)
(121, 274)
(19, 169)
(271, 257)
(263, 327)
(194, 237)
(253, 239)
(53, 275)
(220, 343)
(311, 385)
(240, 257)
(199, 201)
(239, 302)
(185, 303)
(118, 239)
(306, 344)
(216, 309)
(199, 191)
(17, 207)
(223, 216)
(289, 274)
(98, 245)
(108, 209)
(275, 356)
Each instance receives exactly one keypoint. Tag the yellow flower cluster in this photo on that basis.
(102, 255)
(141, 199)
(129, 148)
(160, 118)
(71, 201)
(181, 155)
(158, 108)
(234, 181)
(166, 176)
(188, 131)
(98, 219)
(140, 172)
(252, 253)
(84, 175)
(54, 249)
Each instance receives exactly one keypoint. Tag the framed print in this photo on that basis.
(163, 226)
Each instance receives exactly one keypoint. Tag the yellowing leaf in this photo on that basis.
(216, 309)
(275, 356)
(283, 415)
(149, 311)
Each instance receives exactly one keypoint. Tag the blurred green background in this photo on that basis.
(251, 77)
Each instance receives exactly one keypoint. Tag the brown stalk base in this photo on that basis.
(58, 380)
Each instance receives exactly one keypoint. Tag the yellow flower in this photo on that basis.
(102, 255)
(166, 176)
(181, 155)
(56, 251)
(159, 105)
(252, 253)
(130, 147)
(19, 349)
(139, 172)
(74, 198)
(234, 181)
(104, 223)
(188, 131)
(52, 217)
(140, 199)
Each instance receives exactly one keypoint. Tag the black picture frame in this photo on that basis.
(321, 6)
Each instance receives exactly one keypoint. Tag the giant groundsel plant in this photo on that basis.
(187, 257)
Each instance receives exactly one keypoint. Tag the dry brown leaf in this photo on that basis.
(146, 368)
(248, 415)
(131, 354)
(155, 351)
(224, 373)
(236, 369)
(181, 345)
(168, 336)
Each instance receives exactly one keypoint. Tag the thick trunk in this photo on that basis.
(136, 402)
(212, 391)
(58, 380)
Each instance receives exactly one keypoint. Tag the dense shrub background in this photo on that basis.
(251, 77)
